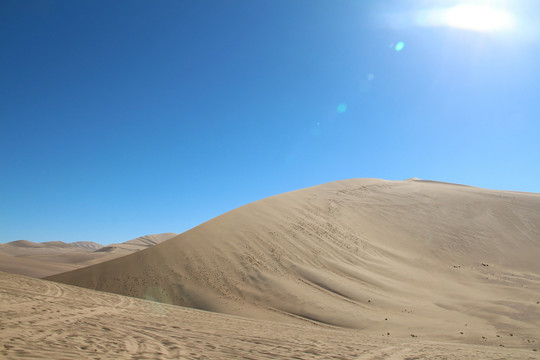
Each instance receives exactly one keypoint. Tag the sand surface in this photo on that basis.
(53, 257)
(139, 243)
(413, 259)
(46, 320)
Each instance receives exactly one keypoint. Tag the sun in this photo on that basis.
(478, 18)
(467, 16)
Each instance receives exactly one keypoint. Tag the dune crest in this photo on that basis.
(139, 243)
(432, 259)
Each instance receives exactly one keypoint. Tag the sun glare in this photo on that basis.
(478, 18)
(481, 18)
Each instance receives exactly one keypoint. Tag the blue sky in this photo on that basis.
(125, 118)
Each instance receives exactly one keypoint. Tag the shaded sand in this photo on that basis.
(438, 261)
(48, 258)
(47, 320)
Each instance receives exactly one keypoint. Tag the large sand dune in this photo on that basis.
(46, 320)
(393, 258)
(52, 257)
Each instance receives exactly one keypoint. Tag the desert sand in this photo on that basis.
(47, 320)
(362, 268)
(53, 257)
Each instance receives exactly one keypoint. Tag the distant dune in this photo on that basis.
(393, 258)
(49, 244)
(87, 245)
(139, 243)
(25, 244)
(31, 267)
(52, 257)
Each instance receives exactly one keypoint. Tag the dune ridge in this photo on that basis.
(139, 243)
(409, 257)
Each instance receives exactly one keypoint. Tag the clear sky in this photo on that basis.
(125, 118)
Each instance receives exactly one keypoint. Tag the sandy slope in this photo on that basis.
(439, 261)
(34, 268)
(46, 320)
(139, 243)
(52, 257)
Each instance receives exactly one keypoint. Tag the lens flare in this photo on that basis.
(399, 46)
(342, 108)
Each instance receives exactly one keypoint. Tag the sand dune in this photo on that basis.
(87, 245)
(47, 320)
(52, 257)
(52, 244)
(34, 268)
(139, 243)
(396, 259)
(25, 244)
